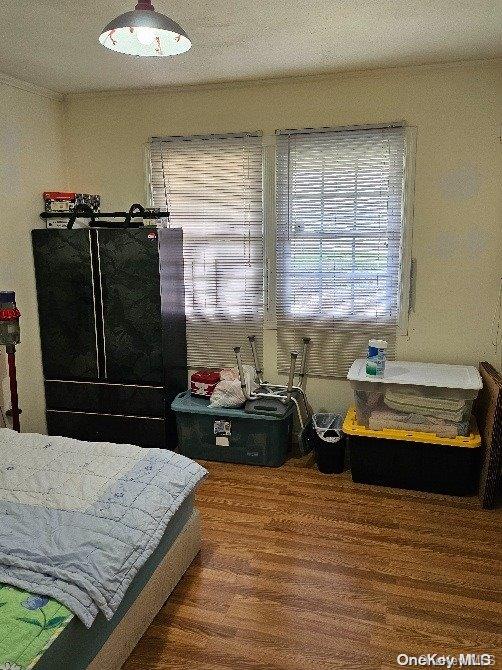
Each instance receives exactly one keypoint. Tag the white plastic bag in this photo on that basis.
(228, 392)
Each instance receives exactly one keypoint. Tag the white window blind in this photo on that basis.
(212, 187)
(339, 242)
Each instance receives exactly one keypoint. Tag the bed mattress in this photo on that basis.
(65, 642)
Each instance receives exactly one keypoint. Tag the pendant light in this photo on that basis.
(145, 32)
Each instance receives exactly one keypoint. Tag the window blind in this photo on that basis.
(339, 243)
(212, 186)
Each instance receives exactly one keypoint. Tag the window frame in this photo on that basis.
(269, 195)
(405, 298)
(244, 317)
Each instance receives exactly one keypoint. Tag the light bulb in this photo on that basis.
(145, 36)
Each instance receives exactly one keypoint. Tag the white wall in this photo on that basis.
(457, 111)
(31, 161)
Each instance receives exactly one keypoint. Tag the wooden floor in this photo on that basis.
(301, 570)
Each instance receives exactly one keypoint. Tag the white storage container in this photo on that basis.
(427, 397)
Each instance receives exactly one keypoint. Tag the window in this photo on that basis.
(340, 204)
(212, 187)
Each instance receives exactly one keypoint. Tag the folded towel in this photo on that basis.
(382, 420)
(434, 402)
(442, 408)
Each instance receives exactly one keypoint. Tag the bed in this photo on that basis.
(37, 629)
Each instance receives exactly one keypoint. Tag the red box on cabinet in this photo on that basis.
(203, 382)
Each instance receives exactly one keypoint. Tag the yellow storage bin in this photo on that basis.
(351, 427)
(413, 460)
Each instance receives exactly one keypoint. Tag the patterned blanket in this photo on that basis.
(28, 626)
(79, 519)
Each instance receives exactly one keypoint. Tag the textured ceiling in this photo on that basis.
(54, 44)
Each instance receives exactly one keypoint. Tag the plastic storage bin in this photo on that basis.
(413, 460)
(424, 397)
(230, 435)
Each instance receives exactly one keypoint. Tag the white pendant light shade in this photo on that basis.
(145, 32)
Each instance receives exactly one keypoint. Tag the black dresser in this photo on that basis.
(112, 326)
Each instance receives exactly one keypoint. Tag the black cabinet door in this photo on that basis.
(105, 398)
(143, 431)
(173, 321)
(66, 305)
(130, 288)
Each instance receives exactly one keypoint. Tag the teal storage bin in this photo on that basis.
(230, 435)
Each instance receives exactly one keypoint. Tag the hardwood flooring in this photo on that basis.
(301, 570)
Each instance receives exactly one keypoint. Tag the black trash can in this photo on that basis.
(328, 442)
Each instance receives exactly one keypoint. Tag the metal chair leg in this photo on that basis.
(302, 382)
(292, 368)
(257, 367)
(244, 388)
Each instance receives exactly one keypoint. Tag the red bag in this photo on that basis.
(203, 382)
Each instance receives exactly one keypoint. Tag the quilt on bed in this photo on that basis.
(28, 626)
(78, 519)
